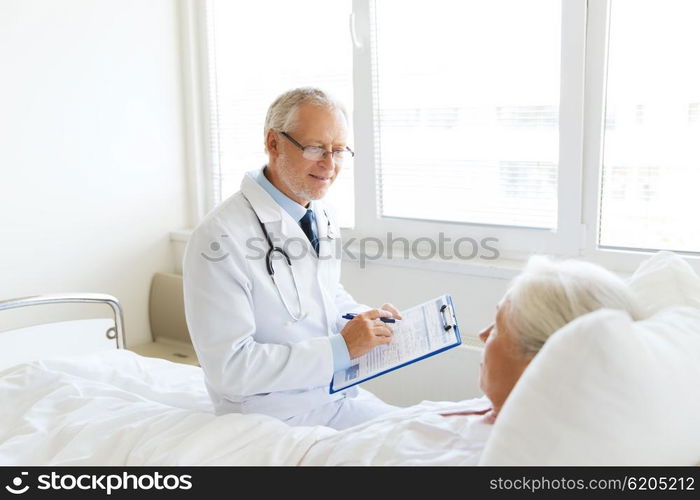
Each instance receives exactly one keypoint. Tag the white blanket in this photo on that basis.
(418, 435)
(116, 407)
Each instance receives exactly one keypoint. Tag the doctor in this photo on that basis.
(262, 288)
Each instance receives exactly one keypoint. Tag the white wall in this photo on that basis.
(92, 173)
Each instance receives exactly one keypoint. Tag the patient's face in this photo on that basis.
(501, 364)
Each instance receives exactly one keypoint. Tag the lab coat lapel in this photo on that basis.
(324, 272)
(269, 211)
(264, 206)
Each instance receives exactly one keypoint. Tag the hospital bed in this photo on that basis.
(604, 390)
(72, 394)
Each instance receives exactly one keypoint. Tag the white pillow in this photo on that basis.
(665, 280)
(605, 390)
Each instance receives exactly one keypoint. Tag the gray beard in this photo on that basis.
(289, 180)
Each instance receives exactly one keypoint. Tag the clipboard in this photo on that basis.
(426, 330)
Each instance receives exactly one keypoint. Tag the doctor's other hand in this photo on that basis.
(394, 312)
(365, 332)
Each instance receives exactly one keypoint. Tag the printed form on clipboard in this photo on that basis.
(425, 330)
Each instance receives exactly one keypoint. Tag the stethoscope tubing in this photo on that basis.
(271, 270)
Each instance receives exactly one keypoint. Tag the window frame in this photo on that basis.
(514, 242)
(198, 119)
(585, 26)
(624, 260)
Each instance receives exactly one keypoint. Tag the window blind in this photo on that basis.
(651, 157)
(257, 51)
(466, 107)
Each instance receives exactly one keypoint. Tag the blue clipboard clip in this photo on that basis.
(448, 317)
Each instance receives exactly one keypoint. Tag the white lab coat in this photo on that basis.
(254, 359)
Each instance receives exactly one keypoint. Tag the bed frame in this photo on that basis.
(115, 333)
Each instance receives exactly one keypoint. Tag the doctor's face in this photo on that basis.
(502, 364)
(297, 177)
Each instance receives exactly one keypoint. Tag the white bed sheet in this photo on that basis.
(417, 435)
(116, 407)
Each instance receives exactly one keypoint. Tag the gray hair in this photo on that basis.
(282, 112)
(549, 294)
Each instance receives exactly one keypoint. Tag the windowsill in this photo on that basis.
(623, 262)
(498, 269)
(503, 269)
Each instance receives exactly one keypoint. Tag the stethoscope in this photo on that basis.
(271, 271)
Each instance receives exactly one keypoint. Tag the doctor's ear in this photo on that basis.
(272, 143)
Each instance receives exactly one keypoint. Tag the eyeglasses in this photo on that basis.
(316, 153)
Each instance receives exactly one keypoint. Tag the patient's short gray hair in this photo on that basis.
(282, 112)
(549, 294)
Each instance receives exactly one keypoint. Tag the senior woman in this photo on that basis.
(541, 300)
(546, 296)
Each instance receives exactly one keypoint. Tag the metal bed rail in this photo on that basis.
(115, 333)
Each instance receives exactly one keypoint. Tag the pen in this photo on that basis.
(385, 320)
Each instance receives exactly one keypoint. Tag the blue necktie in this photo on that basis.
(307, 225)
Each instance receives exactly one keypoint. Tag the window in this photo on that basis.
(466, 98)
(554, 126)
(258, 50)
(651, 155)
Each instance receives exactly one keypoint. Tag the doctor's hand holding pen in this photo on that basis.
(368, 330)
